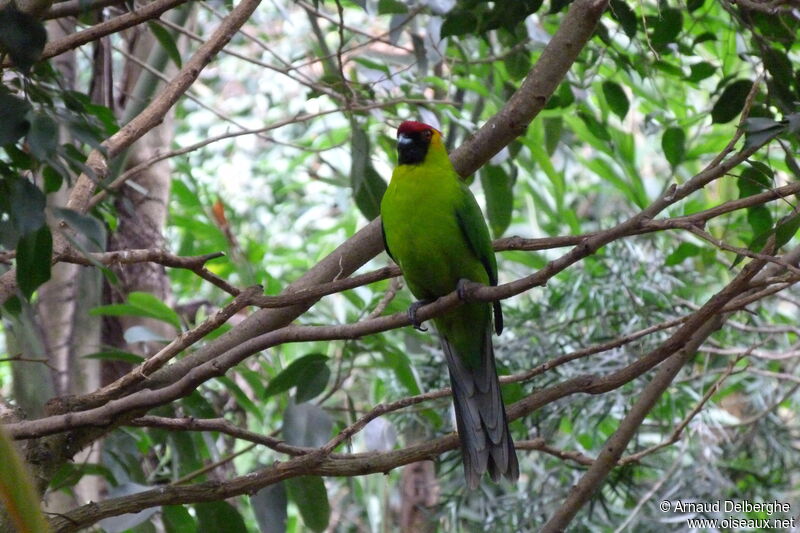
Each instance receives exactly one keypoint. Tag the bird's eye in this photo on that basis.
(427, 134)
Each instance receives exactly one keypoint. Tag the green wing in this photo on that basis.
(386, 244)
(473, 226)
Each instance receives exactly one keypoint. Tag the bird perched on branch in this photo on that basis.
(434, 230)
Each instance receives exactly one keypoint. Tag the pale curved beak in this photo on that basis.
(404, 139)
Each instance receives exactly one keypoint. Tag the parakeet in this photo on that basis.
(435, 231)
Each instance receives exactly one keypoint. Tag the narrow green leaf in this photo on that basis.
(306, 424)
(731, 101)
(760, 219)
(22, 37)
(616, 98)
(760, 130)
(700, 71)
(43, 137)
(391, 7)
(673, 143)
(368, 186)
(219, 516)
(18, 491)
(315, 382)
(458, 22)
(518, 64)
(34, 252)
(13, 118)
(141, 304)
(704, 37)
(300, 370)
(311, 498)
(553, 128)
(498, 187)
(681, 253)
(157, 309)
(167, 40)
(87, 225)
(666, 27)
(240, 396)
(786, 229)
(177, 519)
(116, 355)
(752, 181)
(24, 202)
(625, 16)
(594, 126)
(779, 66)
(269, 505)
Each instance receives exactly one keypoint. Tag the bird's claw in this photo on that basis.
(412, 315)
(461, 289)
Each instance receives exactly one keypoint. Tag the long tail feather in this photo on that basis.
(480, 416)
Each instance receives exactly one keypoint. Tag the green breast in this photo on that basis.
(422, 230)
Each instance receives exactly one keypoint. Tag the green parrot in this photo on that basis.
(434, 230)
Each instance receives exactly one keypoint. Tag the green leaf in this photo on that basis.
(403, 371)
(22, 36)
(731, 101)
(694, 5)
(553, 128)
(498, 186)
(141, 304)
(760, 130)
(368, 186)
(52, 179)
(760, 219)
(177, 519)
(594, 126)
(219, 516)
(787, 228)
(779, 66)
(616, 98)
(391, 7)
(43, 137)
(518, 64)
(304, 372)
(34, 253)
(13, 117)
(240, 396)
(752, 181)
(87, 225)
(24, 203)
(313, 386)
(673, 142)
(18, 491)
(311, 498)
(116, 355)
(458, 22)
(667, 27)
(681, 253)
(625, 16)
(167, 40)
(306, 424)
(269, 505)
(700, 71)
(156, 308)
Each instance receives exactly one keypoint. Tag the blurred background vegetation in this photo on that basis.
(281, 151)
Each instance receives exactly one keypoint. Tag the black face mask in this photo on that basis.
(412, 147)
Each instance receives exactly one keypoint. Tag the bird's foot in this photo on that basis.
(463, 286)
(412, 314)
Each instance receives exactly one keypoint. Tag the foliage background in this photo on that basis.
(307, 96)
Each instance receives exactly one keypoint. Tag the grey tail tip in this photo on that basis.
(510, 472)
